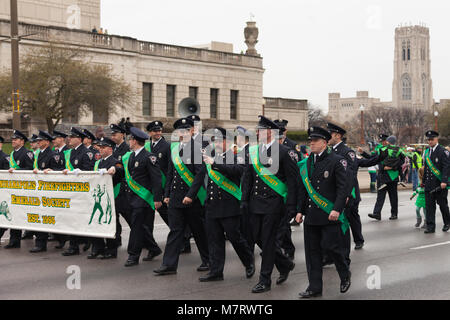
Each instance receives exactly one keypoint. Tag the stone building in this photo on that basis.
(228, 86)
(294, 110)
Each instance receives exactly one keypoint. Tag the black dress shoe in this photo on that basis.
(250, 271)
(131, 263)
(429, 231)
(260, 288)
(309, 294)
(151, 255)
(164, 271)
(211, 278)
(375, 216)
(70, 252)
(38, 249)
(393, 217)
(345, 285)
(283, 276)
(108, 256)
(446, 228)
(203, 267)
(359, 245)
(12, 246)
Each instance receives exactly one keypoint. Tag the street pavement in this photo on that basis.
(397, 262)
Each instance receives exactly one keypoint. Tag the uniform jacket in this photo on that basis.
(162, 151)
(220, 203)
(176, 189)
(82, 158)
(352, 169)
(119, 151)
(24, 158)
(441, 160)
(49, 159)
(330, 179)
(144, 170)
(4, 161)
(113, 162)
(263, 199)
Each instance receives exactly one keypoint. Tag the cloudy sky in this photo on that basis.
(310, 47)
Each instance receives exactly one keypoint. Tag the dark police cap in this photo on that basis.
(184, 123)
(58, 134)
(33, 138)
(265, 123)
(383, 137)
(76, 133)
(155, 126)
(2, 139)
(89, 134)
(432, 134)
(117, 129)
(281, 123)
(106, 142)
(220, 132)
(334, 128)
(318, 132)
(194, 118)
(19, 135)
(44, 135)
(138, 134)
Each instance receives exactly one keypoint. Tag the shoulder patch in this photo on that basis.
(352, 155)
(30, 155)
(447, 153)
(344, 163)
(98, 156)
(56, 157)
(293, 155)
(153, 159)
(90, 155)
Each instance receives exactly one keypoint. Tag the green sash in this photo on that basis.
(12, 162)
(266, 176)
(36, 156)
(141, 191)
(323, 203)
(184, 172)
(433, 169)
(393, 174)
(148, 147)
(116, 187)
(67, 154)
(224, 183)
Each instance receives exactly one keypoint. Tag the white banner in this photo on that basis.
(72, 204)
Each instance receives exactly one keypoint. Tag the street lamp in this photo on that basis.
(435, 121)
(379, 122)
(362, 124)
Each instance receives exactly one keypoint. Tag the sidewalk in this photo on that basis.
(364, 182)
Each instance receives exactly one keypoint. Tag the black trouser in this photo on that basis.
(138, 219)
(264, 234)
(41, 240)
(319, 240)
(352, 214)
(441, 199)
(178, 219)
(2, 232)
(15, 236)
(75, 241)
(393, 197)
(163, 212)
(101, 246)
(124, 210)
(246, 229)
(215, 229)
(284, 236)
(149, 241)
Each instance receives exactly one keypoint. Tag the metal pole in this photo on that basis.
(15, 65)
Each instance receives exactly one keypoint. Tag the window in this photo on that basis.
(406, 87)
(409, 50)
(424, 89)
(170, 98)
(404, 50)
(147, 99)
(100, 117)
(193, 92)
(233, 104)
(214, 93)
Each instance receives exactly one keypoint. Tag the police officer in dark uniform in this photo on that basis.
(46, 160)
(81, 159)
(436, 162)
(20, 159)
(184, 206)
(89, 141)
(107, 248)
(222, 208)
(354, 197)
(327, 175)
(4, 165)
(118, 135)
(265, 205)
(285, 140)
(144, 170)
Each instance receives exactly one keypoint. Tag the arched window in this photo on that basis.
(404, 50)
(406, 87)
(409, 50)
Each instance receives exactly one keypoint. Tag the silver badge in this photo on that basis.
(120, 158)
(76, 162)
(43, 164)
(437, 160)
(136, 164)
(326, 174)
(18, 162)
(160, 155)
(30, 155)
(270, 161)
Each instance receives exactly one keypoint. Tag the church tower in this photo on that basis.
(412, 85)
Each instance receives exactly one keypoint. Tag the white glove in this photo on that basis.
(102, 171)
(76, 172)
